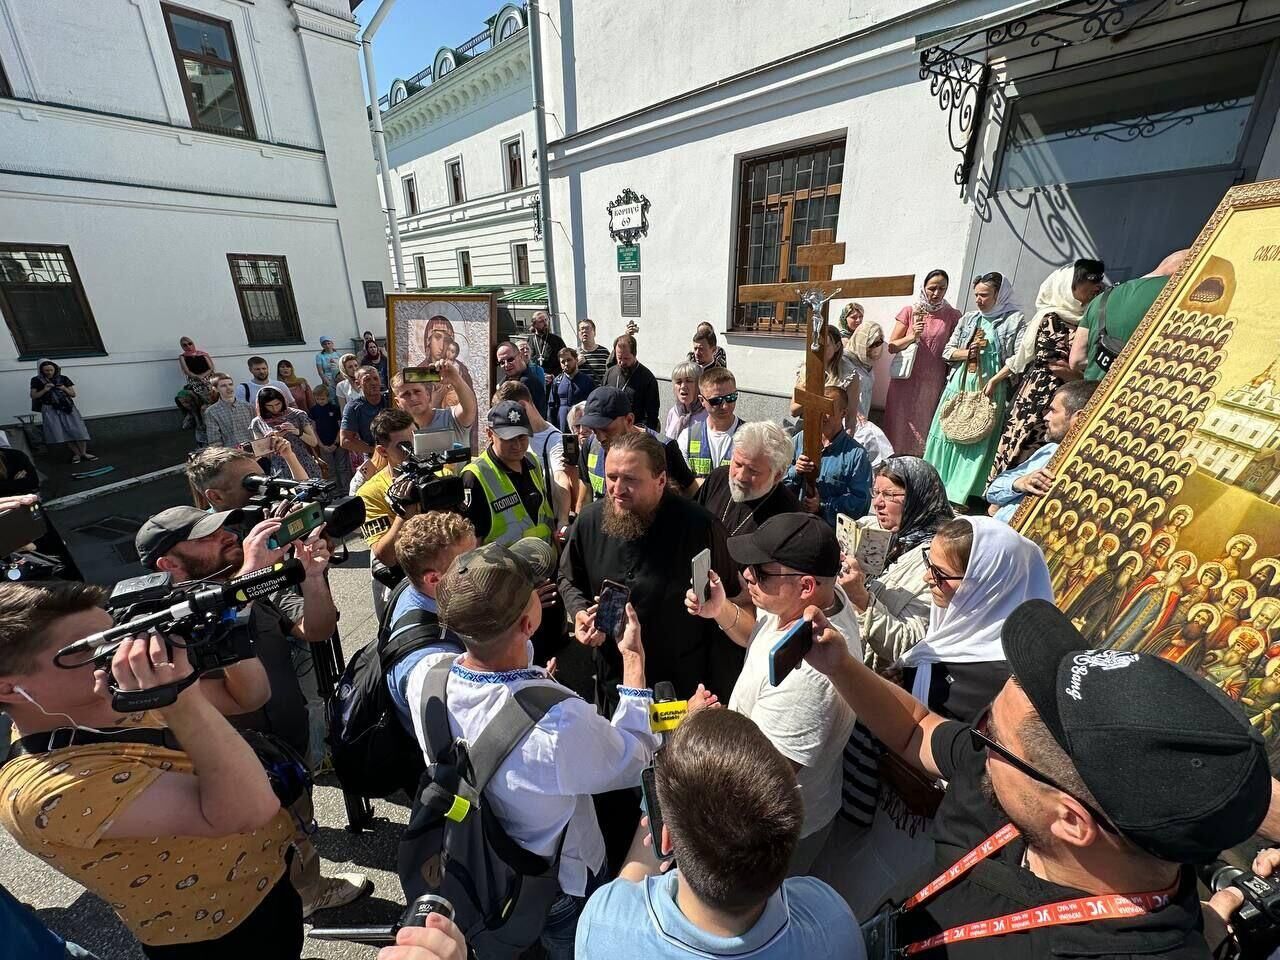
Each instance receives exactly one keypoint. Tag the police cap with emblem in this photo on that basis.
(509, 420)
(1173, 763)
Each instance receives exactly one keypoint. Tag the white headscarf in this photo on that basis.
(1005, 570)
(1055, 296)
(1004, 300)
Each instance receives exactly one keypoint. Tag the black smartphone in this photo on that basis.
(789, 651)
(297, 525)
(653, 810)
(569, 444)
(21, 526)
(611, 609)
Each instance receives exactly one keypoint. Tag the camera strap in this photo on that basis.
(1109, 906)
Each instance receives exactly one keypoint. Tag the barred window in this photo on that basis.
(783, 197)
(267, 307)
(44, 304)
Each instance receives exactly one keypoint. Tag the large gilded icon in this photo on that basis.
(1182, 444)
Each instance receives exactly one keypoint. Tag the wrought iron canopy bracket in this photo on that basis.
(960, 85)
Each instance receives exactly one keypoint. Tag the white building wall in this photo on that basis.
(470, 114)
(900, 211)
(103, 160)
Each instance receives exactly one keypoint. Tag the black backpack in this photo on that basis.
(456, 848)
(373, 754)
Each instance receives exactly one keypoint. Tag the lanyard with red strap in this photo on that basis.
(1108, 906)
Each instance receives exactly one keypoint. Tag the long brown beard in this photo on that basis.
(624, 524)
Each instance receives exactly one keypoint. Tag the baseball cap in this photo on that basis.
(1193, 777)
(801, 541)
(171, 527)
(485, 590)
(509, 420)
(605, 405)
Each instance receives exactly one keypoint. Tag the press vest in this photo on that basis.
(509, 521)
(699, 454)
(595, 462)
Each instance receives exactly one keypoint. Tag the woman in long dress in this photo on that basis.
(982, 342)
(925, 325)
(53, 396)
(1041, 359)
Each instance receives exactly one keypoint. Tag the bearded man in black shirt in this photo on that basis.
(1074, 808)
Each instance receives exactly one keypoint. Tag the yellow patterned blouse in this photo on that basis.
(167, 890)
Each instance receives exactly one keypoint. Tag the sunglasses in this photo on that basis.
(760, 576)
(721, 401)
(938, 572)
(982, 740)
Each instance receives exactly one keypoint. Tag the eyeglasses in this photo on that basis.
(938, 572)
(983, 741)
(888, 495)
(721, 401)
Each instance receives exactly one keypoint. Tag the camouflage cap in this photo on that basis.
(484, 591)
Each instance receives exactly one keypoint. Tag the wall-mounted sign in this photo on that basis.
(373, 294)
(630, 296)
(629, 259)
(628, 217)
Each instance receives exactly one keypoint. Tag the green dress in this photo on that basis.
(964, 467)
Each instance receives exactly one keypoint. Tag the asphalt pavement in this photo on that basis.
(100, 534)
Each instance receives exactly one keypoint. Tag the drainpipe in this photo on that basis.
(379, 138)
(544, 180)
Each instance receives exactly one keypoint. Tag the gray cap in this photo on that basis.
(171, 527)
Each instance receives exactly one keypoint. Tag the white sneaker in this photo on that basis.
(338, 891)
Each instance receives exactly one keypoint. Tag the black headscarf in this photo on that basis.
(925, 508)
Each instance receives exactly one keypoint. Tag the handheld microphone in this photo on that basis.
(210, 599)
(667, 712)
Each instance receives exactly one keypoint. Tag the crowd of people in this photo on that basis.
(948, 767)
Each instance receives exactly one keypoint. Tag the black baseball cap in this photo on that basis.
(509, 420)
(1174, 764)
(801, 541)
(168, 528)
(605, 405)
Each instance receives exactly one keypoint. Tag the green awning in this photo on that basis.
(527, 293)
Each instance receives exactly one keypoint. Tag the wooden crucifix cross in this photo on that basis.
(820, 255)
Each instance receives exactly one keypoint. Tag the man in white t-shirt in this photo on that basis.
(707, 444)
(418, 400)
(259, 377)
(791, 562)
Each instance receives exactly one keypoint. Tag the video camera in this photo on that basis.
(423, 474)
(1256, 922)
(202, 614)
(20, 528)
(342, 514)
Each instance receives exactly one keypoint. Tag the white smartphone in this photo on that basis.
(847, 534)
(702, 576)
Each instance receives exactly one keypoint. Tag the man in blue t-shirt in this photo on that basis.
(427, 544)
(358, 414)
(730, 896)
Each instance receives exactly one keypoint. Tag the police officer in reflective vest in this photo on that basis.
(608, 415)
(504, 493)
(707, 442)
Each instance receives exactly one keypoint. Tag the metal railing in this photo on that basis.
(423, 77)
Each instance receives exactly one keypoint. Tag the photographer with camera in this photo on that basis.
(418, 399)
(540, 793)
(1073, 807)
(729, 896)
(392, 432)
(166, 815)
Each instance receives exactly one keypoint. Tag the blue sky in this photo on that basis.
(414, 30)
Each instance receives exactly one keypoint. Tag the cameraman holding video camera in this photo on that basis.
(186, 840)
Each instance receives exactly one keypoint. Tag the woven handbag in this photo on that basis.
(969, 415)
